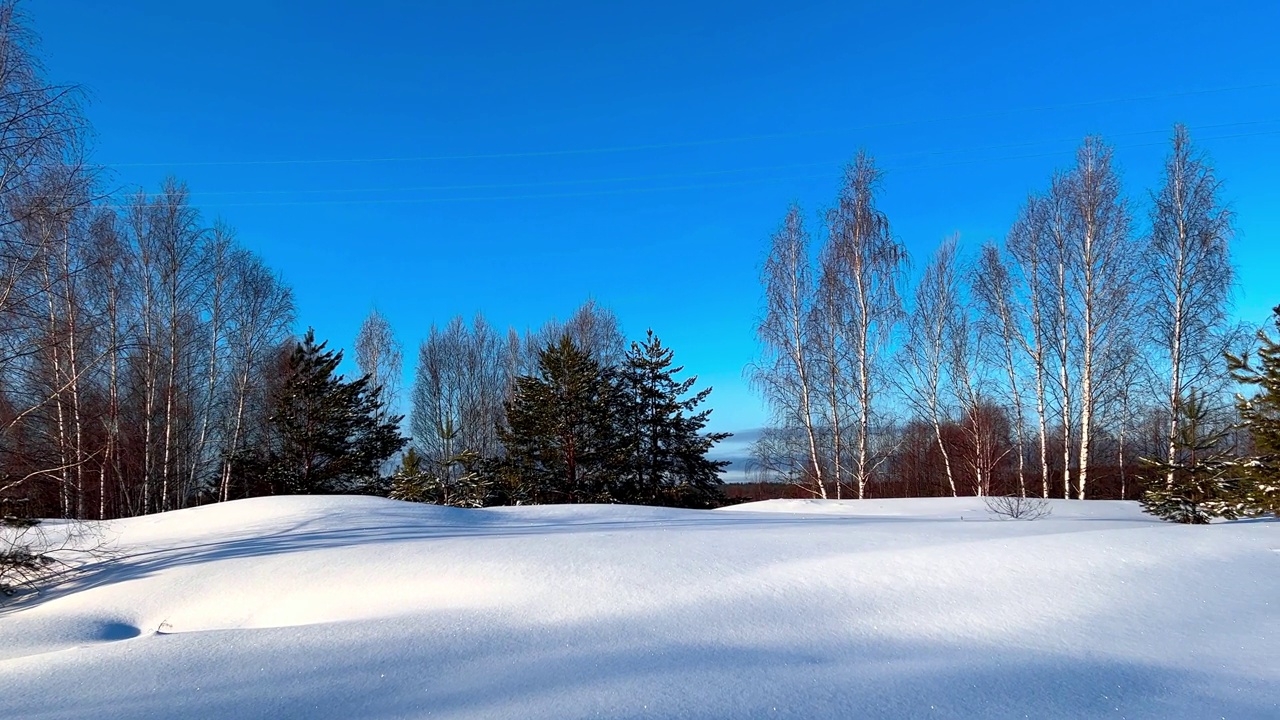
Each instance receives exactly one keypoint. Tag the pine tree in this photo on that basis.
(561, 440)
(1260, 415)
(1201, 481)
(410, 482)
(666, 451)
(329, 435)
(414, 482)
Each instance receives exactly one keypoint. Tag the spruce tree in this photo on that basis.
(330, 433)
(561, 440)
(1204, 482)
(1260, 415)
(666, 449)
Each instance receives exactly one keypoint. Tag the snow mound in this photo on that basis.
(339, 607)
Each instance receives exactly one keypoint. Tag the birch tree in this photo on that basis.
(260, 314)
(982, 424)
(1002, 319)
(1061, 259)
(379, 356)
(1189, 278)
(784, 373)
(463, 377)
(925, 355)
(176, 244)
(42, 181)
(1103, 268)
(870, 266)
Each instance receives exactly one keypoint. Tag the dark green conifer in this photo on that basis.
(666, 449)
(329, 437)
(411, 482)
(1204, 479)
(1260, 415)
(561, 440)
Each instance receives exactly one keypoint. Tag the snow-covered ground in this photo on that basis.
(346, 607)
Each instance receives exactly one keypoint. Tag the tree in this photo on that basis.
(866, 266)
(984, 426)
(176, 242)
(925, 356)
(597, 331)
(378, 355)
(1026, 245)
(412, 482)
(1260, 415)
(666, 462)
(1001, 322)
(329, 435)
(464, 375)
(44, 196)
(1189, 276)
(136, 342)
(561, 438)
(1102, 271)
(415, 481)
(784, 374)
(1199, 483)
(261, 312)
(594, 329)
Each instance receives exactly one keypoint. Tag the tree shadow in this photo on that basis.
(406, 522)
(485, 669)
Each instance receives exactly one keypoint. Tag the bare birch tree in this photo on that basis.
(1103, 270)
(1189, 279)
(463, 377)
(42, 199)
(870, 265)
(260, 314)
(380, 357)
(783, 375)
(1002, 319)
(176, 244)
(1059, 254)
(925, 356)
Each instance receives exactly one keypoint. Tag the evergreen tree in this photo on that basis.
(415, 483)
(411, 482)
(329, 433)
(666, 462)
(561, 440)
(1260, 415)
(1200, 482)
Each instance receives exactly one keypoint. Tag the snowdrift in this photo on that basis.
(349, 607)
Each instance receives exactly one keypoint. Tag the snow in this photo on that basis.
(349, 607)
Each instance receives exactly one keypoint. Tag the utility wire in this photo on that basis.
(707, 173)
(665, 188)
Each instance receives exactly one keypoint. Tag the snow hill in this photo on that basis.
(348, 607)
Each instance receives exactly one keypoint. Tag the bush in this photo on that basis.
(1017, 507)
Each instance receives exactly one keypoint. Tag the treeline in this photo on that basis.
(148, 363)
(138, 342)
(1055, 363)
(566, 414)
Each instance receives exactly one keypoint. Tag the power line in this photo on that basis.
(696, 143)
(666, 188)
(706, 173)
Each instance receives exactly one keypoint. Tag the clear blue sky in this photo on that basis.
(440, 158)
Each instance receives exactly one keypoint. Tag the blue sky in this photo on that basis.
(432, 159)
